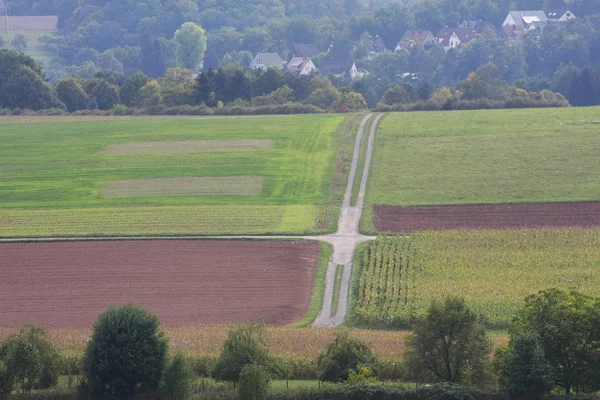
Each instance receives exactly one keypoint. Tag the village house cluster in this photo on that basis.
(517, 24)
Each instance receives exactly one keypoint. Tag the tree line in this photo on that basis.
(127, 37)
(236, 90)
(553, 346)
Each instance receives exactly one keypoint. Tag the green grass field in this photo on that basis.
(55, 176)
(494, 271)
(480, 157)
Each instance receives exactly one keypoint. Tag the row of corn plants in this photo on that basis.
(493, 270)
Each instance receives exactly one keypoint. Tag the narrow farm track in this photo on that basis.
(344, 241)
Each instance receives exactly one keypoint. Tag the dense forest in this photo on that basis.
(126, 37)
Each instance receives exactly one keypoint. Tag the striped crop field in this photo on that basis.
(493, 270)
(69, 177)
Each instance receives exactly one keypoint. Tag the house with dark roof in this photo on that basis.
(308, 50)
(513, 32)
(418, 37)
(453, 38)
(301, 65)
(334, 67)
(265, 61)
(479, 26)
(378, 46)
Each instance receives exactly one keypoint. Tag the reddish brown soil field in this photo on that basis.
(185, 282)
(501, 216)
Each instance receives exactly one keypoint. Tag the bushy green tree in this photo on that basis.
(22, 83)
(105, 94)
(131, 88)
(126, 354)
(177, 379)
(449, 345)
(19, 42)
(525, 372)
(31, 359)
(71, 93)
(245, 345)
(343, 355)
(396, 95)
(191, 45)
(254, 382)
(568, 327)
(324, 97)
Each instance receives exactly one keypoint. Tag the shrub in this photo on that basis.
(104, 94)
(245, 344)
(177, 379)
(362, 375)
(31, 359)
(342, 356)
(119, 109)
(254, 382)
(126, 354)
(71, 93)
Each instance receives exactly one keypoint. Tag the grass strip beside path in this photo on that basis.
(361, 161)
(316, 301)
(339, 273)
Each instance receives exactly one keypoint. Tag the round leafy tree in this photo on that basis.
(344, 355)
(126, 354)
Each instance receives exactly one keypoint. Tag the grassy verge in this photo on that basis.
(361, 161)
(339, 274)
(355, 283)
(316, 302)
(345, 138)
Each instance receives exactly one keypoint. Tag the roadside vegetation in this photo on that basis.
(128, 355)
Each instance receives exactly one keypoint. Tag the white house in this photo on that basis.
(561, 16)
(528, 20)
(301, 65)
(265, 61)
(356, 72)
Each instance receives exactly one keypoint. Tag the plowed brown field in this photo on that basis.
(185, 282)
(500, 216)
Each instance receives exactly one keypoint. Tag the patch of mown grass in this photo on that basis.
(337, 284)
(485, 157)
(54, 175)
(316, 301)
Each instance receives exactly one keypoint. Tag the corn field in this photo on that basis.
(493, 270)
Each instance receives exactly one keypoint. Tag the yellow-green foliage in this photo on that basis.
(492, 270)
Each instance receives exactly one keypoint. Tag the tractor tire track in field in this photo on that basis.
(344, 241)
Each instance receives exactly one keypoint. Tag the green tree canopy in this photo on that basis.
(126, 354)
(568, 327)
(449, 345)
(245, 345)
(344, 355)
(191, 45)
(526, 374)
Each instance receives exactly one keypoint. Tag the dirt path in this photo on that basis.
(344, 241)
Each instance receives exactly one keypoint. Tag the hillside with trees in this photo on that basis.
(116, 40)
